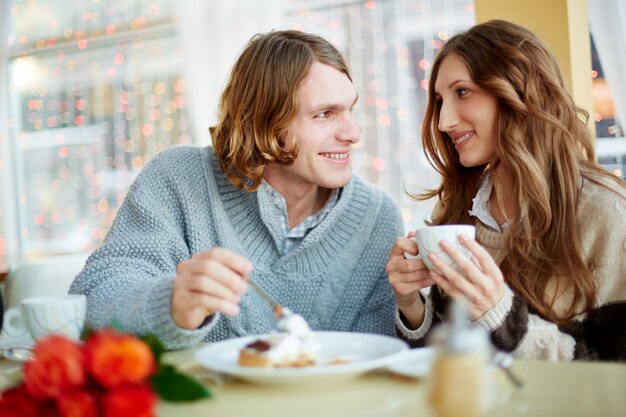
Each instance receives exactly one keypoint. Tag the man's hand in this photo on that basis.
(209, 282)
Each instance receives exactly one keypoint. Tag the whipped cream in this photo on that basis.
(294, 324)
(294, 339)
(287, 348)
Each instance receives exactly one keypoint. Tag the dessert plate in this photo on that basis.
(342, 355)
(414, 363)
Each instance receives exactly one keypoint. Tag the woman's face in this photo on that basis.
(468, 113)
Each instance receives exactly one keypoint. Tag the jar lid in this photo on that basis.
(458, 334)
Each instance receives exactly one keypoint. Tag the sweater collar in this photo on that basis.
(331, 236)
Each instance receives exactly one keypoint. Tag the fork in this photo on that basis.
(279, 311)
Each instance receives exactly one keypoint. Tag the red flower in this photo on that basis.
(107, 376)
(77, 403)
(17, 402)
(116, 359)
(137, 401)
(57, 366)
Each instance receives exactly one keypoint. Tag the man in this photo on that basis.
(272, 201)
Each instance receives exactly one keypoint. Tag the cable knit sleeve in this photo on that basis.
(510, 325)
(526, 335)
(129, 278)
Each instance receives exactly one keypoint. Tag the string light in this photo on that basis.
(390, 50)
(94, 112)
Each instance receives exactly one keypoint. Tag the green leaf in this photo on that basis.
(85, 333)
(116, 325)
(173, 386)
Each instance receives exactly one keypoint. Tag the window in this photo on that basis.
(607, 19)
(389, 46)
(95, 91)
(92, 89)
(611, 140)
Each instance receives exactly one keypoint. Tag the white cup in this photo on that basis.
(428, 239)
(12, 324)
(43, 316)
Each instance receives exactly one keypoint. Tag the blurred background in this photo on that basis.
(92, 89)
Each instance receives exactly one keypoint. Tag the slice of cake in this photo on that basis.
(278, 350)
(293, 346)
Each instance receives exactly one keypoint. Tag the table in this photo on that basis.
(552, 389)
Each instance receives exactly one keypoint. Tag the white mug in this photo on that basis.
(42, 316)
(428, 238)
(12, 324)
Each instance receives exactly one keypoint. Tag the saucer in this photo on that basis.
(414, 363)
(18, 354)
(17, 341)
(16, 348)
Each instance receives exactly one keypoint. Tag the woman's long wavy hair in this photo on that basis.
(543, 143)
(260, 101)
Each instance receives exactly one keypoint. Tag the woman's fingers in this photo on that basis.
(483, 259)
(479, 280)
(453, 282)
(404, 245)
(465, 265)
(410, 265)
(412, 281)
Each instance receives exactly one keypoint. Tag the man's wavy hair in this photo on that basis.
(543, 142)
(259, 102)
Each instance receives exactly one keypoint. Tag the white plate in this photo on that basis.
(16, 348)
(414, 363)
(363, 352)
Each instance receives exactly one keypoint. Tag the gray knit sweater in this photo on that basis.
(181, 203)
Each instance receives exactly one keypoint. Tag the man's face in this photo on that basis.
(324, 130)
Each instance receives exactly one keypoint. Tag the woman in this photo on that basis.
(547, 277)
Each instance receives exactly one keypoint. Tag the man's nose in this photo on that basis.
(349, 129)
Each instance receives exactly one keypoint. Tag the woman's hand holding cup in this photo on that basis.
(478, 280)
(428, 240)
(407, 277)
(458, 265)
